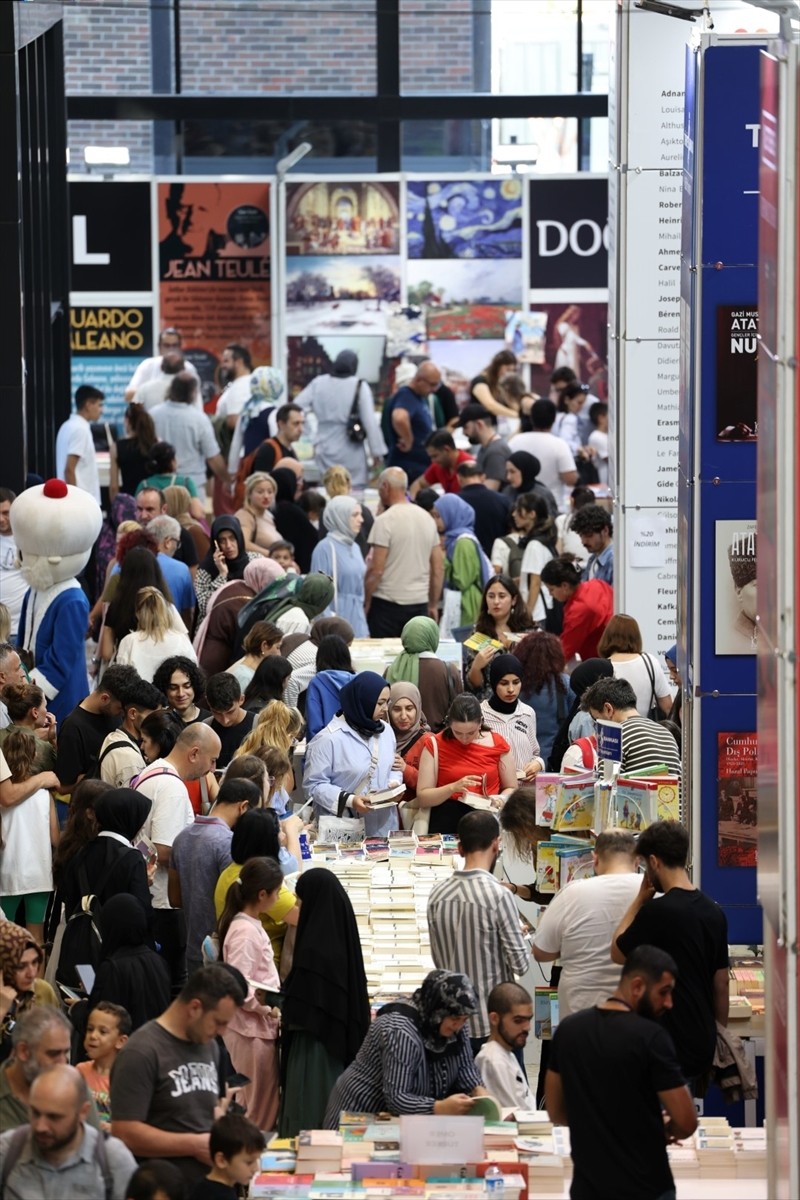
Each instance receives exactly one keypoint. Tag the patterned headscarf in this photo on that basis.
(14, 941)
(267, 385)
(443, 994)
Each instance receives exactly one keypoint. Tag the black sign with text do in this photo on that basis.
(568, 233)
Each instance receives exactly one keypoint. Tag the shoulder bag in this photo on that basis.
(654, 713)
(355, 426)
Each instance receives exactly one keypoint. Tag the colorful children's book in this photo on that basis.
(574, 808)
(574, 863)
(546, 796)
(636, 804)
(547, 868)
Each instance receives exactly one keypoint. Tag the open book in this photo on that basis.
(386, 796)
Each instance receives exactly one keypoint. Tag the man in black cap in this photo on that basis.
(492, 511)
(480, 426)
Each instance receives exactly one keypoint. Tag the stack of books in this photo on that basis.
(318, 1150)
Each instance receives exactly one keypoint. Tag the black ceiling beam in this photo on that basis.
(436, 107)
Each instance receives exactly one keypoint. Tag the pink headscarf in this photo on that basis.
(258, 573)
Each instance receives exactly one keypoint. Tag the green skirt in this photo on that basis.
(309, 1079)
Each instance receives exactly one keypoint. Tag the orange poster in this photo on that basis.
(214, 270)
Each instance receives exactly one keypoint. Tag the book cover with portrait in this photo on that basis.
(735, 594)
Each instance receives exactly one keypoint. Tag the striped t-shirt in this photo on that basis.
(647, 744)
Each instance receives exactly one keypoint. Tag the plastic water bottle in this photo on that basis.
(305, 851)
(494, 1183)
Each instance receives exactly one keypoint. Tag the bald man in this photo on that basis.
(58, 1153)
(193, 756)
(410, 423)
(406, 570)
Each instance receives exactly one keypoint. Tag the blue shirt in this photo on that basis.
(200, 853)
(338, 760)
(415, 460)
(601, 566)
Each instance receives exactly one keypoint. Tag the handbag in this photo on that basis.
(654, 713)
(335, 580)
(355, 426)
(411, 815)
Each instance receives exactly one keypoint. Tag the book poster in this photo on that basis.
(214, 269)
(735, 588)
(342, 218)
(737, 808)
(737, 373)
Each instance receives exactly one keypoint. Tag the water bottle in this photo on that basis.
(494, 1183)
(305, 851)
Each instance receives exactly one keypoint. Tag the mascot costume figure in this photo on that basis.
(55, 527)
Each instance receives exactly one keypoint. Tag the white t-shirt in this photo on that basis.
(171, 812)
(12, 585)
(599, 443)
(155, 392)
(75, 437)
(150, 368)
(534, 558)
(503, 1078)
(578, 925)
(234, 398)
(554, 456)
(635, 671)
(26, 864)
(411, 536)
(146, 655)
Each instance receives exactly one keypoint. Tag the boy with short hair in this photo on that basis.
(107, 1030)
(229, 720)
(283, 554)
(235, 1145)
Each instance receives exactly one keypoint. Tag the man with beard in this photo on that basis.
(612, 1070)
(480, 426)
(473, 921)
(58, 1150)
(510, 1015)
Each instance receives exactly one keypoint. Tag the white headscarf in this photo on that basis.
(336, 518)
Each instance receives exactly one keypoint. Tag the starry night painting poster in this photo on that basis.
(464, 218)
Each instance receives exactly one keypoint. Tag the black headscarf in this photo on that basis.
(345, 364)
(236, 565)
(290, 521)
(443, 994)
(503, 664)
(326, 989)
(122, 811)
(122, 922)
(358, 700)
(528, 466)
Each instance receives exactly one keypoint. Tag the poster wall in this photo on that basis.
(107, 342)
(736, 590)
(214, 270)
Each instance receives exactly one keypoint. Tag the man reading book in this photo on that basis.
(510, 1014)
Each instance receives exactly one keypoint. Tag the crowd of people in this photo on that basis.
(157, 929)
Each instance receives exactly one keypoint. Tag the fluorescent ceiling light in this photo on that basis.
(97, 156)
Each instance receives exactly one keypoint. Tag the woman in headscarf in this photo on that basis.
(417, 1056)
(179, 506)
(225, 561)
(578, 724)
(266, 389)
(219, 639)
(295, 612)
(20, 959)
(410, 726)
(438, 682)
(109, 862)
(466, 568)
(302, 654)
(332, 398)
(338, 555)
(337, 481)
(504, 712)
(290, 521)
(522, 470)
(130, 972)
(326, 1011)
(353, 756)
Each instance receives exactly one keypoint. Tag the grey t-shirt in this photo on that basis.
(168, 1083)
(492, 459)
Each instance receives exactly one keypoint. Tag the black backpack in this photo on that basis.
(82, 942)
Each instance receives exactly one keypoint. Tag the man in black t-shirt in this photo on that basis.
(691, 928)
(612, 1069)
(86, 727)
(230, 722)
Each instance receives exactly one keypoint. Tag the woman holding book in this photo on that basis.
(417, 1056)
(467, 759)
(503, 618)
(506, 714)
(410, 727)
(326, 1011)
(438, 682)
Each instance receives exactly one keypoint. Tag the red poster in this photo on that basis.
(214, 269)
(737, 811)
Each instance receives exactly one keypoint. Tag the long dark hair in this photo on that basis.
(519, 619)
(544, 527)
(543, 662)
(257, 875)
(560, 571)
(334, 655)
(141, 426)
(81, 827)
(503, 358)
(256, 835)
(268, 680)
(139, 570)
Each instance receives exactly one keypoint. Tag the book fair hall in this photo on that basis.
(397, 398)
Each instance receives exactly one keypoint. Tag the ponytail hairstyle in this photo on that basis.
(161, 460)
(20, 698)
(20, 751)
(141, 426)
(561, 571)
(153, 617)
(257, 875)
(465, 707)
(277, 725)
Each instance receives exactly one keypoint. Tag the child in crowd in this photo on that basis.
(313, 505)
(107, 1031)
(281, 780)
(28, 834)
(235, 1145)
(283, 553)
(229, 720)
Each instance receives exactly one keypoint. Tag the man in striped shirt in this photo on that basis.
(645, 743)
(473, 921)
